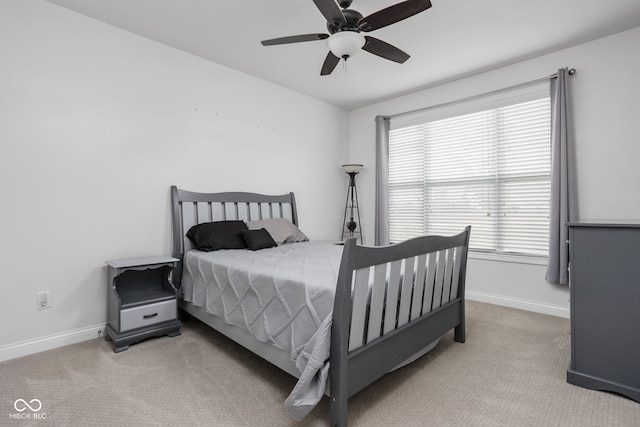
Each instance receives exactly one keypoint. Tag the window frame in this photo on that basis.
(537, 90)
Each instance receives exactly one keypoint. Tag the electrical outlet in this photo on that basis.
(43, 300)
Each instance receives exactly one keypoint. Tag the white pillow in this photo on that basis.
(281, 229)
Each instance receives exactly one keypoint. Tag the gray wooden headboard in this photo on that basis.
(191, 208)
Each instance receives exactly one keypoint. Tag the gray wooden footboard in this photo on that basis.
(390, 303)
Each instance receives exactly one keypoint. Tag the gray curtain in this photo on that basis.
(563, 182)
(382, 181)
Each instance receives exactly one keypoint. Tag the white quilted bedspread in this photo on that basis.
(282, 295)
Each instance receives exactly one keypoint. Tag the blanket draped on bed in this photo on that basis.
(282, 295)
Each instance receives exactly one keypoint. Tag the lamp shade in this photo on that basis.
(352, 167)
(345, 44)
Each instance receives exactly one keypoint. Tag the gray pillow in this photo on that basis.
(281, 229)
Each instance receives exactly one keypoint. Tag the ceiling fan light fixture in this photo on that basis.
(345, 44)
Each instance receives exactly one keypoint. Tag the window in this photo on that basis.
(485, 163)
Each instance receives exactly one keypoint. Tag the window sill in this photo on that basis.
(517, 259)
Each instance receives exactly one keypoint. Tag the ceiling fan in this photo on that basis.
(345, 25)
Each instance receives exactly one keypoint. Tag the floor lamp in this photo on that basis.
(351, 227)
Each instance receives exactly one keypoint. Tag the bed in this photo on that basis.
(335, 316)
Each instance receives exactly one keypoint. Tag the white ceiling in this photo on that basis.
(454, 38)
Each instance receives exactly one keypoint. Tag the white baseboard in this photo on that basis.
(520, 304)
(37, 345)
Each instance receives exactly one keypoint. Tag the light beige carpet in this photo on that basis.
(510, 372)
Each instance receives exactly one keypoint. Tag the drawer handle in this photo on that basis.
(149, 316)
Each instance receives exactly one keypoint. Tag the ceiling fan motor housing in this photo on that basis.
(352, 17)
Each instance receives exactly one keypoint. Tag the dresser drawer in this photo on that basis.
(145, 315)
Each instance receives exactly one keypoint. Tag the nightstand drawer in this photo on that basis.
(150, 314)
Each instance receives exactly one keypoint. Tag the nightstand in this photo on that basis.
(141, 301)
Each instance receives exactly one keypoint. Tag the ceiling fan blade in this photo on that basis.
(393, 14)
(329, 65)
(384, 50)
(331, 11)
(294, 39)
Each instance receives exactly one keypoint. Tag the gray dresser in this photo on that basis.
(605, 307)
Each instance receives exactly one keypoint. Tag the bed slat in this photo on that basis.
(229, 212)
(456, 274)
(360, 297)
(405, 292)
(427, 303)
(437, 290)
(203, 212)
(418, 287)
(265, 211)
(285, 211)
(217, 213)
(377, 301)
(241, 211)
(391, 306)
(189, 219)
(254, 211)
(446, 285)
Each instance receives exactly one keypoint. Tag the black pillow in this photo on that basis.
(212, 236)
(258, 239)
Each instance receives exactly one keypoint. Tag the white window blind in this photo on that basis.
(486, 164)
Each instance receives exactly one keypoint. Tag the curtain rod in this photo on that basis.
(572, 71)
